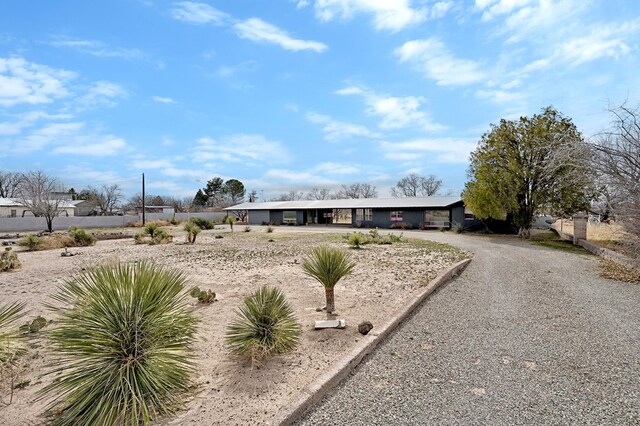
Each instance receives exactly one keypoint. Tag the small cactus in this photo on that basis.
(203, 296)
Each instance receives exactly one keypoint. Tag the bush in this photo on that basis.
(269, 229)
(203, 296)
(247, 229)
(357, 239)
(31, 242)
(401, 225)
(123, 343)
(192, 231)
(174, 221)
(9, 260)
(202, 223)
(80, 237)
(458, 228)
(152, 234)
(265, 326)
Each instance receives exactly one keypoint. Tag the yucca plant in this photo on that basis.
(123, 345)
(80, 237)
(230, 220)
(357, 240)
(192, 231)
(10, 347)
(265, 326)
(328, 265)
(31, 242)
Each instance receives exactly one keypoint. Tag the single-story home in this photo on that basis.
(10, 207)
(410, 212)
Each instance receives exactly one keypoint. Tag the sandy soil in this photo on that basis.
(227, 391)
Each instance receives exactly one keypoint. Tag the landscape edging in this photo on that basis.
(315, 391)
(608, 254)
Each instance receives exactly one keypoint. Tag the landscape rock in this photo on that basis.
(365, 327)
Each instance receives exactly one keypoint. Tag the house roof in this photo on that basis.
(11, 202)
(355, 203)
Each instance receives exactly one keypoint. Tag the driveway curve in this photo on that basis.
(526, 335)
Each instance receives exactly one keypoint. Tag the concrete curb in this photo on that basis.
(315, 391)
(611, 255)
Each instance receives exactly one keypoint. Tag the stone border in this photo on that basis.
(608, 254)
(315, 391)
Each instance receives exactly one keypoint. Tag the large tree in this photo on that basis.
(105, 197)
(522, 167)
(617, 159)
(43, 195)
(357, 190)
(414, 185)
(234, 191)
(9, 184)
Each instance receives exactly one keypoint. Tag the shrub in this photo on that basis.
(269, 229)
(152, 234)
(192, 231)
(202, 223)
(123, 343)
(265, 326)
(151, 229)
(174, 221)
(31, 242)
(247, 229)
(9, 260)
(230, 220)
(401, 225)
(357, 239)
(328, 265)
(458, 228)
(80, 237)
(203, 296)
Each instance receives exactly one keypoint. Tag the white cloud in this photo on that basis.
(108, 146)
(98, 49)
(99, 94)
(23, 82)
(275, 176)
(241, 148)
(142, 163)
(335, 130)
(227, 71)
(199, 13)
(163, 100)
(257, 30)
(441, 150)
(396, 112)
(432, 58)
(331, 168)
(387, 15)
(28, 119)
(68, 138)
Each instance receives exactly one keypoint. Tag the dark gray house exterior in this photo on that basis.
(409, 212)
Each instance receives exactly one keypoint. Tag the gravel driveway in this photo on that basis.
(526, 335)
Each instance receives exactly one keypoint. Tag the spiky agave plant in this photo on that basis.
(328, 265)
(123, 345)
(9, 315)
(265, 326)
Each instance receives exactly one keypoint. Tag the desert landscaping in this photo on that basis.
(227, 390)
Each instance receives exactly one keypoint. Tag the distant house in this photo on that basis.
(10, 207)
(414, 212)
(85, 207)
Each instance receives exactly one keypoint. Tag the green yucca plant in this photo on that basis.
(265, 326)
(9, 315)
(230, 220)
(328, 265)
(357, 239)
(192, 231)
(80, 237)
(31, 242)
(123, 345)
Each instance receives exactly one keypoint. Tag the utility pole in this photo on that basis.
(143, 207)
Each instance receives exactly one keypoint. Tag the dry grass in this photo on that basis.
(138, 224)
(615, 271)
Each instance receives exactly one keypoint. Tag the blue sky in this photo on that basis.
(295, 94)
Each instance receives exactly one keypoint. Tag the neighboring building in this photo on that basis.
(414, 212)
(10, 207)
(85, 207)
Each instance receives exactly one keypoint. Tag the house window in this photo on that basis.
(436, 219)
(359, 214)
(289, 217)
(14, 213)
(368, 214)
(396, 216)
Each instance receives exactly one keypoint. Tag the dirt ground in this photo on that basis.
(227, 391)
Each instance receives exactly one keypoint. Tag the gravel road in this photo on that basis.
(526, 335)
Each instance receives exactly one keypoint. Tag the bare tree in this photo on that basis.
(106, 197)
(357, 190)
(290, 196)
(617, 159)
(9, 184)
(319, 194)
(414, 185)
(43, 195)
